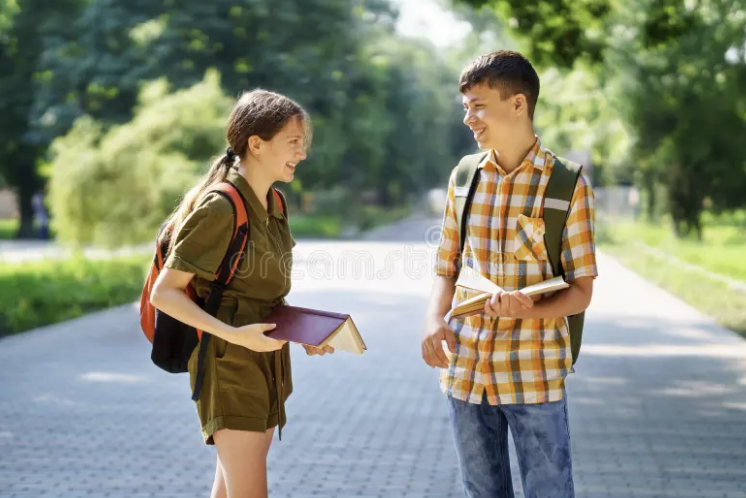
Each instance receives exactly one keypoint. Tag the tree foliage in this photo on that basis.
(672, 71)
(116, 185)
(556, 32)
(380, 104)
(24, 25)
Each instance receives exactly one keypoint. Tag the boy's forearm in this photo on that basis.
(571, 301)
(441, 296)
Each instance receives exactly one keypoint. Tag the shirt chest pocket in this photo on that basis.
(529, 239)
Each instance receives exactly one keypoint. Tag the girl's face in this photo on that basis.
(280, 155)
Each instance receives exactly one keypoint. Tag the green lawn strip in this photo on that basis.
(333, 225)
(721, 251)
(717, 254)
(8, 229)
(322, 226)
(35, 294)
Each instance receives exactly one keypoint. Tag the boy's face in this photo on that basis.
(492, 120)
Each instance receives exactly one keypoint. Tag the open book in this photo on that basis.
(472, 280)
(315, 328)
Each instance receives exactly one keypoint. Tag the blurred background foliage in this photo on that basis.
(113, 107)
(123, 101)
(119, 104)
(655, 89)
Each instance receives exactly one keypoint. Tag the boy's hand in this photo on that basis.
(509, 305)
(313, 351)
(437, 331)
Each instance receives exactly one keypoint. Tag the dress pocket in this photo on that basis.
(529, 239)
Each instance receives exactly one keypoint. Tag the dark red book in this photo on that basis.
(315, 328)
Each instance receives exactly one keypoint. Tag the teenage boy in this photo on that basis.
(506, 368)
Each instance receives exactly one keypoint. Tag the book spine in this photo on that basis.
(328, 314)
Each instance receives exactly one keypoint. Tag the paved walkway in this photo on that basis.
(658, 405)
(17, 251)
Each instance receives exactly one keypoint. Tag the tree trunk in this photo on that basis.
(384, 197)
(26, 228)
(650, 204)
(24, 178)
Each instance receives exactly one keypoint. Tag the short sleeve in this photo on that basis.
(204, 237)
(448, 258)
(578, 238)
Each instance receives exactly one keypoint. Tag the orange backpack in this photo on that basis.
(174, 341)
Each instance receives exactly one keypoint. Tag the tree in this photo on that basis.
(382, 107)
(23, 26)
(680, 68)
(685, 74)
(115, 185)
(556, 32)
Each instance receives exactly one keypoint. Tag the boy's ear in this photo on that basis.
(520, 104)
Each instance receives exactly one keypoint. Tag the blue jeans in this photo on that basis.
(542, 438)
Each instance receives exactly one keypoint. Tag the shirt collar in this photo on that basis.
(538, 157)
(251, 198)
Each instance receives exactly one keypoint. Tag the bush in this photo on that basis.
(35, 294)
(115, 186)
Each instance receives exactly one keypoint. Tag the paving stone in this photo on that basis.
(657, 406)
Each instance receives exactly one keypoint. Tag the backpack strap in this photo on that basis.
(229, 265)
(467, 179)
(557, 199)
(226, 270)
(280, 201)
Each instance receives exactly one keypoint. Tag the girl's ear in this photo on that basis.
(255, 144)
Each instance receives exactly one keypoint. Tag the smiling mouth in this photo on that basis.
(478, 133)
(290, 165)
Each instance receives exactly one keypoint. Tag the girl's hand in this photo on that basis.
(252, 337)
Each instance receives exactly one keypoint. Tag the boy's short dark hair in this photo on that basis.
(509, 72)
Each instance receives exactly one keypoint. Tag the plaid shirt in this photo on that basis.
(513, 360)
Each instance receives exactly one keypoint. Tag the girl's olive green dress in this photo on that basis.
(242, 389)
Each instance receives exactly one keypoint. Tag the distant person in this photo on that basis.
(244, 387)
(506, 367)
(41, 216)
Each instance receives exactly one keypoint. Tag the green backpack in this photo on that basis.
(556, 209)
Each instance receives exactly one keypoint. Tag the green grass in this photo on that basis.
(722, 251)
(324, 226)
(35, 294)
(373, 216)
(8, 229)
(331, 226)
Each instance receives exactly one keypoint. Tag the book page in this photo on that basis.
(470, 278)
(553, 284)
(475, 304)
(344, 338)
